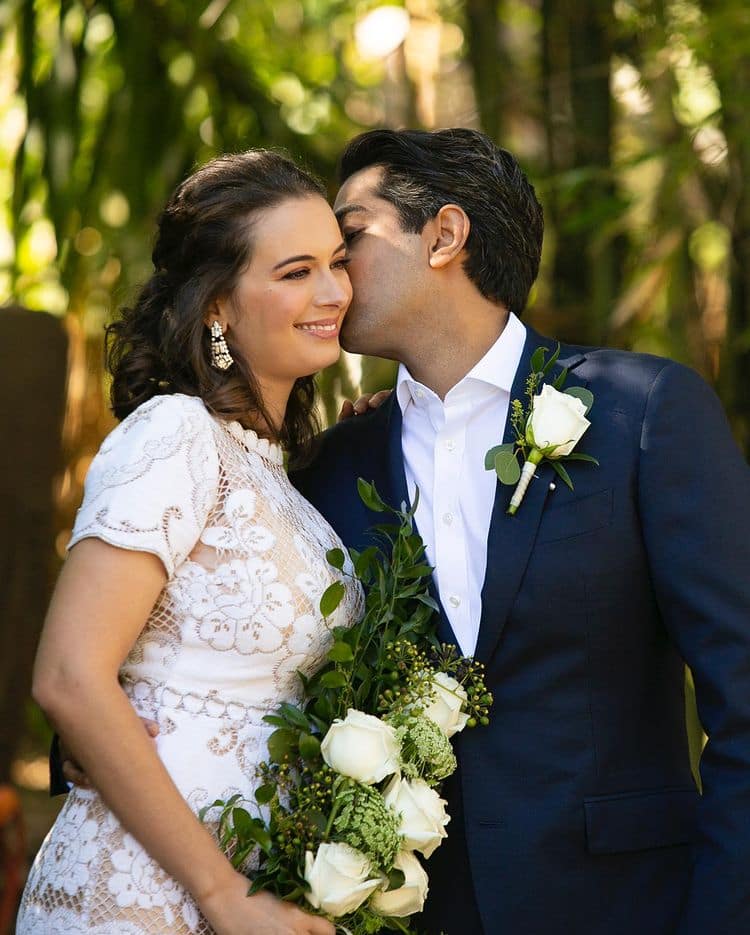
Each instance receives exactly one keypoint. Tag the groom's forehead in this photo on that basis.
(360, 189)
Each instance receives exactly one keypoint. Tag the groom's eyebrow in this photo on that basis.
(349, 209)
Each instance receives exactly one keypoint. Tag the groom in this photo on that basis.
(575, 812)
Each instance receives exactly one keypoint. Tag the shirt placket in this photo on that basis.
(448, 523)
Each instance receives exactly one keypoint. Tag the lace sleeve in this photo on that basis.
(153, 481)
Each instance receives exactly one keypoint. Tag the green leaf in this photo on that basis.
(331, 598)
(416, 571)
(369, 496)
(264, 793)
(274, 720)
(316, 818)
(336, 558)
(562, 473)
(580, 456)
(580, 392)
(537, 359)
(428, 601)
(281, 743)
(293, 715)
(309, 746)
(553, 359)
(489, 458)
(507, 467)
(252, 828)
(333, 679)
(365, 560)
(396, 879)
(560, 379)
(340, 652)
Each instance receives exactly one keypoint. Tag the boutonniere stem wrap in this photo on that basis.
(547, 429)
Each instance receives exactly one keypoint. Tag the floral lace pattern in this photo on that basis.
(244, 554)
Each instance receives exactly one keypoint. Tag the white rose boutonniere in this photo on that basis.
(548, 429)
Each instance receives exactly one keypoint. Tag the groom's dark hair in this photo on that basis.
(426, 170)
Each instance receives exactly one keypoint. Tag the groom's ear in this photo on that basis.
(449, 232)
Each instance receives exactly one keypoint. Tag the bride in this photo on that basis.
(190, 594)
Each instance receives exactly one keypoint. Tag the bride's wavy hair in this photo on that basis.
(204, 241)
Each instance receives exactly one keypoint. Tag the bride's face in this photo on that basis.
(286, 311)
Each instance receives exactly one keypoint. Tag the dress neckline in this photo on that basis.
(267, 449)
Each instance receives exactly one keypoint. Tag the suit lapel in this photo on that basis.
(511, 538)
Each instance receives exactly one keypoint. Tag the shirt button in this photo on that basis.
(454, 601)
(447, 518)
(420, 394)
(450, 445)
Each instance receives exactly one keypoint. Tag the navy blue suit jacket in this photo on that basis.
(575, 811)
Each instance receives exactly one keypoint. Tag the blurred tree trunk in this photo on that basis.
(489, 62)
(728, 50)
(33, 349)
(577, 45)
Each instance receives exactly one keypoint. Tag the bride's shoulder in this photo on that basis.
(166, 436)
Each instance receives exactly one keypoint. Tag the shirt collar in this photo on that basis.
(497, 368)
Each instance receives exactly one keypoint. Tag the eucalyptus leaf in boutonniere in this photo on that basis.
(548, 429)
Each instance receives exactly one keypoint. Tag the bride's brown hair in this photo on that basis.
(161, 344)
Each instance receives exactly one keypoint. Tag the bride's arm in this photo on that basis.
(101, 602)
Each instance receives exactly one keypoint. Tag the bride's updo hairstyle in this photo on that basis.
(204, 242)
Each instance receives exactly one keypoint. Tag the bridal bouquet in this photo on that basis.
(350, 786)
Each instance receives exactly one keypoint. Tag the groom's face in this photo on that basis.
(388, 268)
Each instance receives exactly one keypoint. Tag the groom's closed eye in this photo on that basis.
(350, 236)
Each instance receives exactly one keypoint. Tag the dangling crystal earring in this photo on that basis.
(220, 356)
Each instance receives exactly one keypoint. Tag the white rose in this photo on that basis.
(410, 896)
(557, 419)
(422, 812)
(362, 747)
(449, 697)
(339, 878)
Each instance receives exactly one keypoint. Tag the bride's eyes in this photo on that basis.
(304, 271)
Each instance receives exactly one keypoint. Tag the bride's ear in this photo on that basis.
(450, 231)
(217, 311)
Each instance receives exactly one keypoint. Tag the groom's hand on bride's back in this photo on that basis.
(72, 770)
(364, 404)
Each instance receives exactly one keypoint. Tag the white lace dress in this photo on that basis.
(238, 616)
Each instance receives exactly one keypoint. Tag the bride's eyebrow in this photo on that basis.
(293, 259)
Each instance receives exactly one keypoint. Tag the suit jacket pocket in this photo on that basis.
(576, 517)
(634, 821)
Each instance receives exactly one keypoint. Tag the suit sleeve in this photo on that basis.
(694, 496)
(57, 783)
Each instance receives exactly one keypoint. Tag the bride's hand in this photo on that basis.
(363, 404)
(230, 911)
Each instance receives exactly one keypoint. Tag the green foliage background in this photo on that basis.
(630, 116)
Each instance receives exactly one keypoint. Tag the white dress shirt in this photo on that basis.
(444, 444)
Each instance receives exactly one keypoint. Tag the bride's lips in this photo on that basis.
(325, 328)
